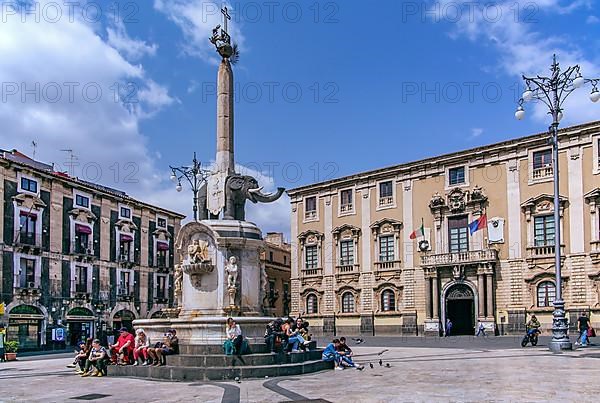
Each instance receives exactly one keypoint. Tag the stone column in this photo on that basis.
(428, 311)
(490, 295)
(481, 292)
(225, 160)
(436, 297)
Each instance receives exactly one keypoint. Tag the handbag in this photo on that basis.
(591, 332)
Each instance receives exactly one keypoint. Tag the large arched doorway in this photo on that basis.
(80, 322)
(460, 308)
(25, 326)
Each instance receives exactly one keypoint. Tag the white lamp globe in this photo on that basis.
(520, 113)
(199, 176)
(178, 187)
(595, 95)
(527, 95)
(173, 178)
(559, 116)
(579, 81)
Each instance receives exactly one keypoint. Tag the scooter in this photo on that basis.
(530, 337)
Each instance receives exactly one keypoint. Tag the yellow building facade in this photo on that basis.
(355, 267)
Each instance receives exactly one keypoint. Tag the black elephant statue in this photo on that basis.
(238, 189)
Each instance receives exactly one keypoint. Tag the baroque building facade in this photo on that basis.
(356, 269)
(276, 260)
(78, 259)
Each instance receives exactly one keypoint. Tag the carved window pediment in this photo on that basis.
(29, 200)
(458, 200)
(387, 226)
(542, 204)
(310, 238)
(83, 215)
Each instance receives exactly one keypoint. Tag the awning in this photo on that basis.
(27, 214)
(82, 229)
(126, 238)
(162, 245)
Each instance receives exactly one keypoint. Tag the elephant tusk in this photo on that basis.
(257, 190)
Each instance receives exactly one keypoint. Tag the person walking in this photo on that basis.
(583, 323)
(480, 329)
(448, 328)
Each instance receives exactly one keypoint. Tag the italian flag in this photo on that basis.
(418, 232)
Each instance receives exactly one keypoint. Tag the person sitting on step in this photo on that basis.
(82, 355)
(273, 335)
(98, 359)
(302, 327)
(122, 350)
(140, 350)
(294, 338)
(234, 341)
(169, 346)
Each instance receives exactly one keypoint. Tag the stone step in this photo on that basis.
(215, 349)
(173, 373)
(220, 360)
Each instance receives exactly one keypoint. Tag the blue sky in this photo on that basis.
(381, 83)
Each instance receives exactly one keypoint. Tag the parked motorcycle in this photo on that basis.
(530, 337)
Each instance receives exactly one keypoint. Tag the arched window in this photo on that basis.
(311, 304)
(388, 301)
(347, 302)
(546, 291)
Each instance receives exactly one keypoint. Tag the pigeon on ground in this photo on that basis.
(371, 365)
(359, 341)
(380, 363)
(387, 365)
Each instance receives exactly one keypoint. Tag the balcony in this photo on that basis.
(387, 265)
(347, 268)
(310, 215)
(128, 260)
(124, 294)
(26, 241)
(160, 297)
(543, 254)
(29, 288)
(346, 208)
(386, 201)
(454, 258)
(311, 272)
(542, 173)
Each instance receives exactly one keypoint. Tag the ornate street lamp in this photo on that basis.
(553, 91)
(195, 176)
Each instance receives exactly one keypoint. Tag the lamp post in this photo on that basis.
(553, 91)
(195, 176)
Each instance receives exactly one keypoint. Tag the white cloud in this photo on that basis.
(592, 19)
(132, 49)
(100, 127)
(523, 50)
(476, 132)
(196, 19)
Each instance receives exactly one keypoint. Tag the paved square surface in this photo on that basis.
(415, 374)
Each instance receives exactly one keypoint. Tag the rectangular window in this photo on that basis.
(542, 159)
(82, 243)
(125, 251)
(284, 259)
(270, 256)
(386, 193)
(312, 261)
(386, 248)
(125, 212)
(161, 258)
(29, 185)
(161, 282)
(27, 229)
(161, 223)
(458, 231)
(310, 207)
(544, 230)
(81, 279)
(272, 293)
(27, 273)
(82, 201)
(456, 176)
(346, 200)
(346, 253)
(124, 278)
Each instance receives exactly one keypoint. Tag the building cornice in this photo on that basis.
(433, 166)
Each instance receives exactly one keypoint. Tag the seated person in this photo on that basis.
(169, 346)
(142, 342)
(344, 348)
(82, 355)
(294, 338)
(122, 350)
(98, 359)
(234, 341)
(271, 335)
(332, 353)
(302, 327)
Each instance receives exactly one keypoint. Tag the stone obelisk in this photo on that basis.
(225, 160)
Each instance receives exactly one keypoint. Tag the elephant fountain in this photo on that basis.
(238, 189)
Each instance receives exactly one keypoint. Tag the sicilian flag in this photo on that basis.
(478, 224)
(418, 232)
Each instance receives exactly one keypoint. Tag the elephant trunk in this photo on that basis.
(256, 195)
